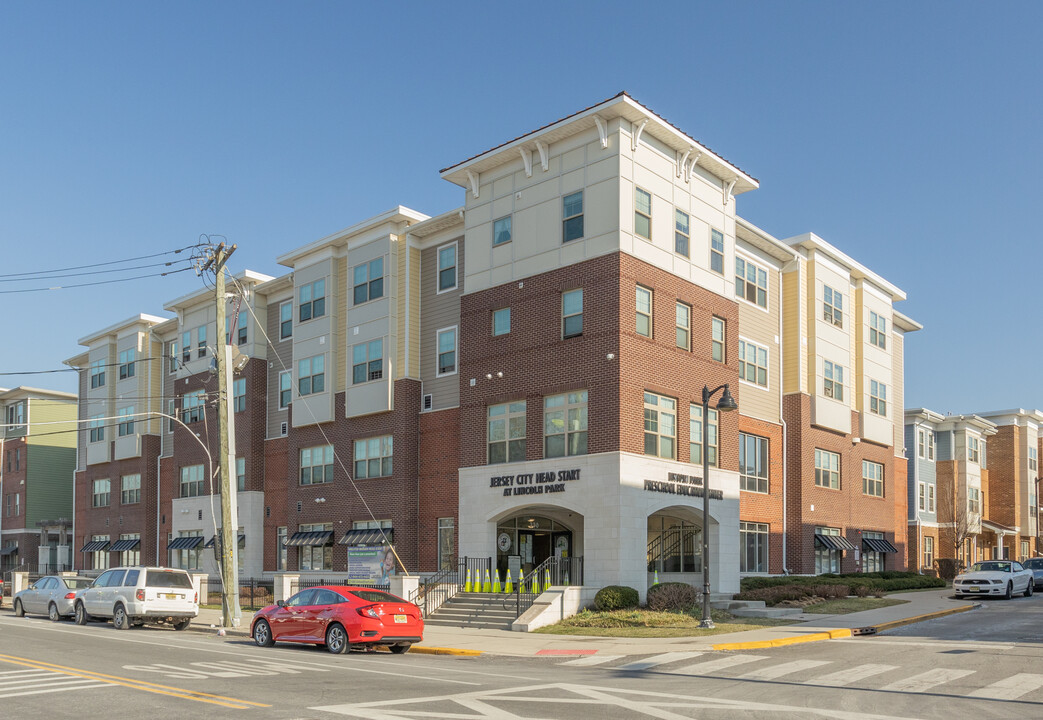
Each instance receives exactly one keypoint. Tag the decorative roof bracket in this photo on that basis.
(690, 166)
(682, 162)
(636, 136)
(602, 130)
(544, 159)
(728, 190)
(526, 156)
(473, 177)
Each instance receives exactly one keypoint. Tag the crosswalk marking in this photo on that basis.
(658, 660)
(719, 664)
(80, 685)
(788, 668)
(927, 680)
(1010, 688)
(850, 675)
(592, 660)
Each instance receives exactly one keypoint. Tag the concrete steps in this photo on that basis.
(475, 610)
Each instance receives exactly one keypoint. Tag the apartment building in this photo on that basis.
(37, 460)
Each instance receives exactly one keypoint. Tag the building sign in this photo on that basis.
(534, 483)
(678, 484)
(370, 563)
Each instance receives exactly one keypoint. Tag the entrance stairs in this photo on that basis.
(487, 611)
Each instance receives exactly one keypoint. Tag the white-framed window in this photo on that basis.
(311, 300)
(186, 346)
(921, 496)
(502, 321)
(877, 330)
(754, 463)
(311, 375)
(1033, 458)
(201, 341)
(827, 560)
(753, 543)
(130, 489)
(565, 424)
(506, 432)
(446, 342)
(100, 558)
(132, 557)
(832, 306)
(286, 320)
(373, 457)
(97, 374)
(642, 213)
(187, 559)
(16, 415)
(832, 380)
(717, 256)
(644, 311)
(683, 325)
(240, 329)
(872, 560)
(877, 398)
(930, 498)
(751, 282)
(239, 395)
(316, 465)
(695, 435)
(192, 481)
(827, 469)
(367, 361)
(872, 478)
(718, 337)
(367, 281)
(572, 216)
(126, 360)
(572, 313)
(100, 490)
(660, 426)
(447, 267)
(928, 551)
(280, 544)
(973, 449)
(502, 231)
(930, 445)
(974, 500)
(173, 362)
(921, 443)
(96, 430)
(682, 233)
(446, 542)
(193, 405)
(753, 363)
(172, 412)
(285, 389)
(240, 474)
(316, 557)
(126, 421)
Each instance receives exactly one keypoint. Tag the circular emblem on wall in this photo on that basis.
(503, 542)
(561, 544)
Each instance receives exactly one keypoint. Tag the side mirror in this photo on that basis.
(280, 603)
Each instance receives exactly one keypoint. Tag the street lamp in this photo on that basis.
(725, 404)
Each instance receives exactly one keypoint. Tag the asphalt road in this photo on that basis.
(926, 671)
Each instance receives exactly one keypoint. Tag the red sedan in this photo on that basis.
(340, 617)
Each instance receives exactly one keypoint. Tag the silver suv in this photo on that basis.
(136, 595)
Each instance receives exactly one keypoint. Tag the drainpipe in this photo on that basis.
(785, 430)
(916, 499)
(2, 437)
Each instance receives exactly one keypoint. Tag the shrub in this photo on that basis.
(861, 590)
(889, 581)
(948, 568)
(672, 596)
(616, 597)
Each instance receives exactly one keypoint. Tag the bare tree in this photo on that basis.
(956, 516)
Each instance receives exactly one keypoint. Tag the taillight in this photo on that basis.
(196, 598)
(373, 611)
(140, 595)
(70, 596)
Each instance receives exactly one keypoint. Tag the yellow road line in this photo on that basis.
(222, 700)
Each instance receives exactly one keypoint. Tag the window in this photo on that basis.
(921, 443)
(311, 375)
(753, 541)
(130, 489)
(753, 463)
(316, 465)
(930, 498)
(311, 300)
(316, 557)
(751, 282)
(100, 494)
(280, 544)
(241, 334)
(832, 306)
(827, 469)
(682, 233)
(191, 481)
(447, 267)
(877, 330)
(930, 445)
(642, 213)
(872, 560)
(877, 398)
(368, 281)
(172, 358)
(872, 478)
(572, 217)
(240, 474)
(16, 414)
(367, 361)
(502, 231)
(501, 321)
(186, 347)
(644, 311)
(565, 424)
(127, 363)
(373, 457)
(201, 341)
(286, 320)
(506, 432)
(285, 389)
(832, 380)
(660, 426)
(717, 257)
(126, 422)
(446, 543)
(921, 497)
(974, 500)
(172, 412)
(446, 351)
(753, 363)
(100, 558)
(97, 373)
(928, 551)
(97, 429)
(683, 326)
(1033, 458)
(973, 449)
(695, 435)
(187, 559)
(239, 395)
(572, 313)
(826, 559)
(192, 406)
(717, 338)
(131, 556)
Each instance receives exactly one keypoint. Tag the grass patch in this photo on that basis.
(843, 606)
(646, 623)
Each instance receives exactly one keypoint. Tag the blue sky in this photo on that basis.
(905, 134)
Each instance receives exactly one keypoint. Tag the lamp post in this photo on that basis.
(725, 404)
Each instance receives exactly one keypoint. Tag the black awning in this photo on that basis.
(879, 545)
(216, 540)
(188, 542)
(95, 546)
(834, 542)
(121, 545)
(313, 538)
(368, 537)
(9, 550)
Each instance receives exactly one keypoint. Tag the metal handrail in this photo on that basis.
(562, 571)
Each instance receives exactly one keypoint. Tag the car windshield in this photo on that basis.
(376, 596)
(167, 579)
(991, 566)
(77, 583)
(1034, 564)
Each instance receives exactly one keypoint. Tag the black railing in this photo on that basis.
(304, 583)
(440, 587)
(552, 571)
(254, 593)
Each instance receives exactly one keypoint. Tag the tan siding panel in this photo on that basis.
(762, 328)
(440, 311)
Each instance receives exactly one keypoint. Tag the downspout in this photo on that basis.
(159, 495)
(785, 439)
(2, 438)
(916, 498)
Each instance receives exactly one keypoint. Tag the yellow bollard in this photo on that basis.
(496, 580)
(508, 588)
(487, 586)
(467, 583)
(546, 579)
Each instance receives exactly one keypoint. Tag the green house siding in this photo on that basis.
(49, 482)
(46, 411)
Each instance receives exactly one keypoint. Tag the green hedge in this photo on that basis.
(888, 581)
(616, 597)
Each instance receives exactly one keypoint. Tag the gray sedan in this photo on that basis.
(52, 595)
(1036, 566)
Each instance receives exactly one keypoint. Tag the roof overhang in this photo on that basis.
(245, 277)
(146, 321)
(923, 414)
(1014, 416)
(973, 422)
(24, 391)
(438, 224)
(905, 323)
(811, 241)
(398, 214)
(763, 241)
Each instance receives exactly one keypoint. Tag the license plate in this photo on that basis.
(171, 596)
(974, 588)
(401, 619)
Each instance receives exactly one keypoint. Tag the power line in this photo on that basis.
(90, 272)
(100, 282)
(111, 262)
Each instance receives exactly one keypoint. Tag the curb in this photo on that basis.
(873, 629)
(780, 642)
(418, 649)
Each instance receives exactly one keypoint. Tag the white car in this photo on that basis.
(994, 577)
(136, 595)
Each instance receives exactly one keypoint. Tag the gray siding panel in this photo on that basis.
(439, 311)
(279, 359)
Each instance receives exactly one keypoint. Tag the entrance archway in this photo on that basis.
(675, 542)
(525, 539)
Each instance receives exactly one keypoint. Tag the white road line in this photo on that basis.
(719, 664)
(783, 669)
(658, 660)
(850, 675)
(42, 674)
(86, 685)
(21, 672)
(592, 660)
(927, 680)
(1010, 688)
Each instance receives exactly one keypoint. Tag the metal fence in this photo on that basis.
(305, 583)
(254, 593)
(552, 571)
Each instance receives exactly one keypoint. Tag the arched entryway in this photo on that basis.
(526, 538)
(674, 549)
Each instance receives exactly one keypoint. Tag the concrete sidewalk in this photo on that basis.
(919, 606)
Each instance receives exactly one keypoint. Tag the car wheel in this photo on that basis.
(182, 624)
(263, 634)
(81, 617)
(399, 649)
(1028, 589)
(120, 621)
(19, 611)
(1010, 591)
(958, 596)
(337, 639)
(52, 613)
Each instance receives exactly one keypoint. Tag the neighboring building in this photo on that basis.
(37, 461)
